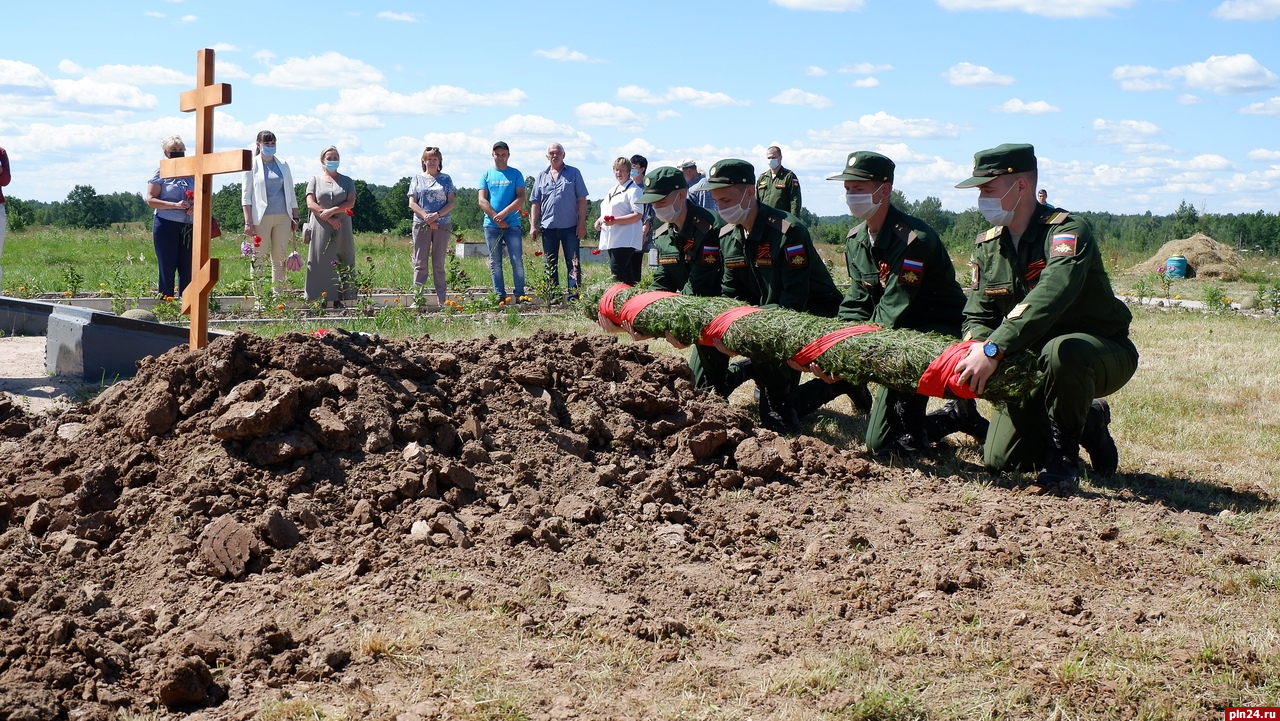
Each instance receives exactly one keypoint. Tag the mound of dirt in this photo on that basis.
(148, 537)
(1206, 258)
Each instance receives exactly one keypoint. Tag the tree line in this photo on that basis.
(381, 208)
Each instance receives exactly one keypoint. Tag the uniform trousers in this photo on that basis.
(1077, 367)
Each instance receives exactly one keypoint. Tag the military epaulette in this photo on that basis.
(991, 234)
(853, 232)
(779, 222)
(662, 230)
(703, 224)
(905, 232)
(1055, 217)
(727, 230)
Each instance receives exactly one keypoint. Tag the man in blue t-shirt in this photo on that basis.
(501, 195)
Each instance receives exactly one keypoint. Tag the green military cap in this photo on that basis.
(1000, 160)
(866, 165)
(661, 182)
(730, 171)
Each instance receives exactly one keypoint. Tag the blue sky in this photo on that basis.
(1133, 105)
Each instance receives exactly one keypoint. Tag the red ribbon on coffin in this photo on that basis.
(633, 306)
(941, 376)
(719, 324)
(606, 302)
(822, 344)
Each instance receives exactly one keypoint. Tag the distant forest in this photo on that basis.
(381, 208)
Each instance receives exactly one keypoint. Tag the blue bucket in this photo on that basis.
(1175, 267)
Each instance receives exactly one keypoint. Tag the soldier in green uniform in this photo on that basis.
(689, 262)
(1039, 284)
(778, 187)
(769, 261)
(901, 276)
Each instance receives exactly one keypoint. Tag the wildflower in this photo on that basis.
(67, 293)
(349, 213)
(334, 263)
(1177, 297)
(246, 249)
(168, 299)
(596, 251)
(397, 299)
(102, 285)
(22, 289)
(324, 294)
(319, 332)
(280, 306)
(369, 258)
(191, 195)
(537, 253)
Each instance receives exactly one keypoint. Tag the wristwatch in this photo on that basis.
(991, 350)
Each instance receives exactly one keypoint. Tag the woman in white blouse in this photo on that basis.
(270, 204)
(619, 224)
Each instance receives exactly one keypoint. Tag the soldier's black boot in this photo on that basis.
(859, 396)
(958, 416)
(1096, 439)
(908, 431)
(1061, 466)
(778, 416)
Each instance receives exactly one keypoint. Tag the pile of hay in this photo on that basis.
(1206, 258)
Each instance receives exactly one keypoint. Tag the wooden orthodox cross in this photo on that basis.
(203, 165)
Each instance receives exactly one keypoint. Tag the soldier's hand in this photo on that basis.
(816, 370)
(607, 325)
(975, 369)
(675, 343)
(635, 334)
(720, 346)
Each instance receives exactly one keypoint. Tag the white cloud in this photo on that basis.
(129, 74)
(189, 18)
(880, 127)
(667, 114)
(436, 100)
(330, 70)
(796, 96)
(1139, 78)
(697, 98)
(398, 17)
(1133, 136)
(975, 76)
(17, 77)
(264, 56)
(529, 135)
(1045, 8)
(228, 71)
(1035, 107)
(1188, 99)
(1227, 74)
(1267, 107)
(609, 115)
(864, 69)
(225, 48)
(154, 14)
(826, 5)
(1264, 154)
(814, 71)
(564, 55)
(1248, 10)
(865, 83)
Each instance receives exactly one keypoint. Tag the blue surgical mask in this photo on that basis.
(775, 163)
(268, 151)
(331, 166)
(634, 173)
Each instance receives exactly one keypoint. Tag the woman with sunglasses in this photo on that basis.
(431, 198)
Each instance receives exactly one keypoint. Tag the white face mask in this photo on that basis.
(670, 213)
(993, 208)
(861, 204)
(735, 214)
(775, 163)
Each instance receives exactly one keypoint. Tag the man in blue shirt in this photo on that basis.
(693, 179)
(558, 211)
(501, 195)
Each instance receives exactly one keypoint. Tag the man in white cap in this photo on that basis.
(699, 195)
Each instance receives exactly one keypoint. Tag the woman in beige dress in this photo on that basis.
(330, 198)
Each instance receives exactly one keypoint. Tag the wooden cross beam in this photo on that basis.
(203, 165)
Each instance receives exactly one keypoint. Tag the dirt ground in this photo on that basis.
(562, 527)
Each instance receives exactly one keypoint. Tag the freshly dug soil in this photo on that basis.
(1206, 258)
(266, 518)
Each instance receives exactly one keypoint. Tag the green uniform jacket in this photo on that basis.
(1052, 284)
(689, 257)
(781, 191)
(903, 278)
(776, 265)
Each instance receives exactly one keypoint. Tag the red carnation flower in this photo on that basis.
(608, 218)
(596, 251)
(320, 332)
(191, 195)
(538, 253)
(349, 213)
(257, 240)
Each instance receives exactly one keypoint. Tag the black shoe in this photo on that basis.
(958, 416)
(1096, 440)
(905, 446)
(781, 418)
(859, 396)
(1061, 465)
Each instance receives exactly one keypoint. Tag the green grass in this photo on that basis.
(121, 260)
